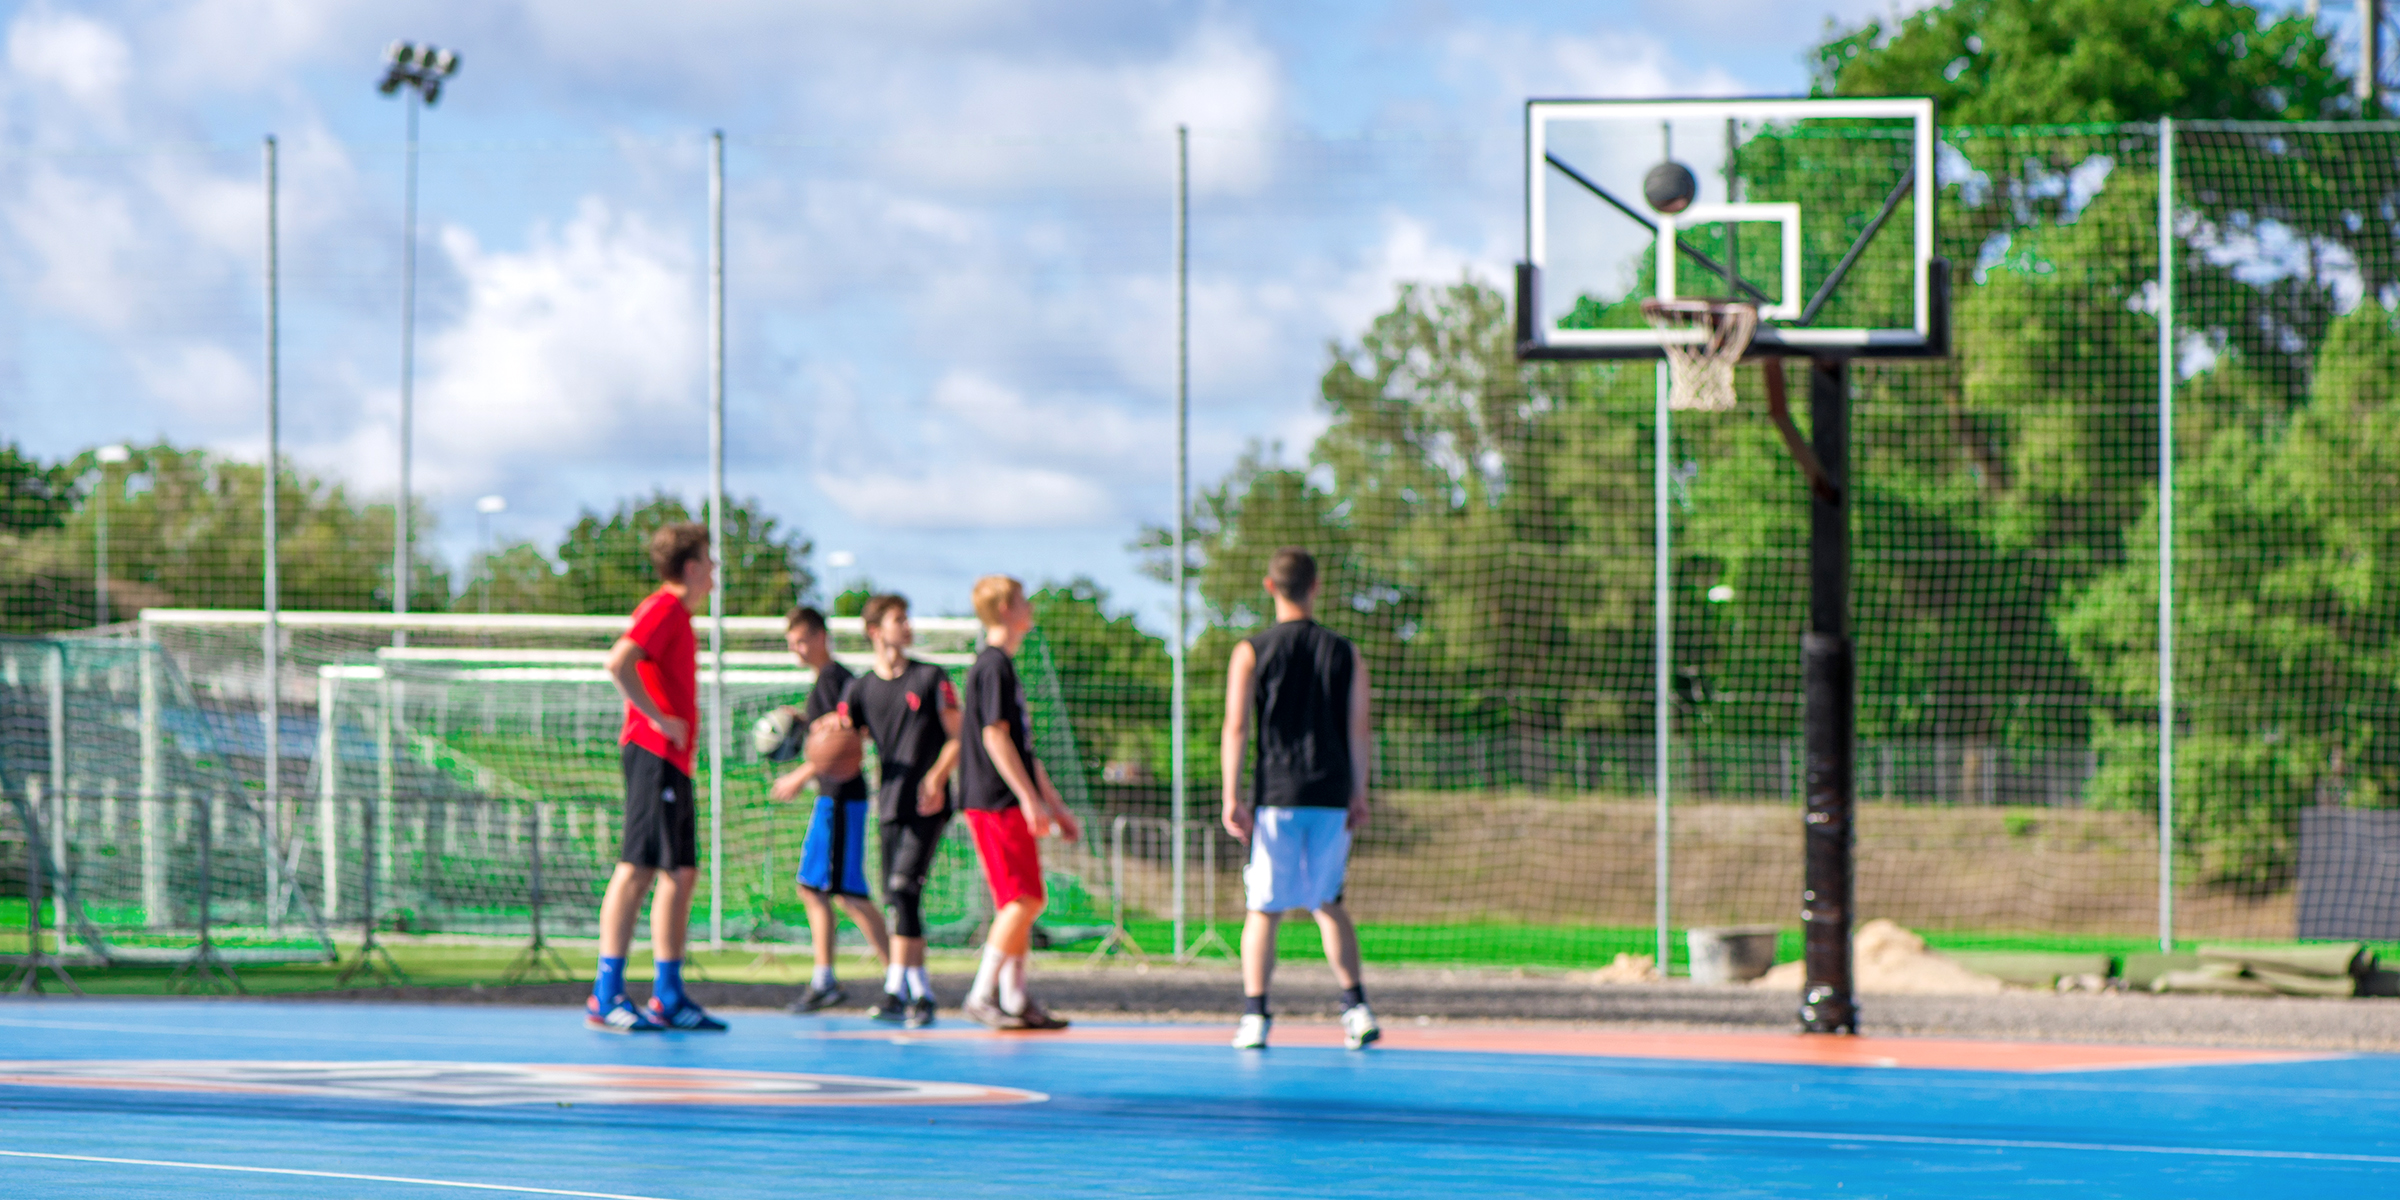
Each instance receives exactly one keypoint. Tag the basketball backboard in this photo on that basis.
(1818, 212)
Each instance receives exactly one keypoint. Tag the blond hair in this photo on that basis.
(993, 595)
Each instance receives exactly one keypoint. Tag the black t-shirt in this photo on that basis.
(993, 697)
(1300, 696)
(822, 699)
(904, 716)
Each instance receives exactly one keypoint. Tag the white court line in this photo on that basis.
(448, 1183)
(1913, 1139)
(279, 1035)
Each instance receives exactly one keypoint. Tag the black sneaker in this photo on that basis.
(920, 1012)
(816, 999)
(987, 1014)
(892, 1009)
(1035, 1017)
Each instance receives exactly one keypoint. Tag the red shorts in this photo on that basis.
(1012, 864)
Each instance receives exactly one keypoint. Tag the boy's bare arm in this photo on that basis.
(1068, 826)
(1235, 739)
(1011, 766)
(1362, 740)
(933, 794)
(624, 670)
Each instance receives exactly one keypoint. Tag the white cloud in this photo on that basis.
(976, 496)
(1519, 61)
(586, 344)
(200, 380)
(80, 58)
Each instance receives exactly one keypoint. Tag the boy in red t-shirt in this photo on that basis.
(1010, 803)
(656, 668)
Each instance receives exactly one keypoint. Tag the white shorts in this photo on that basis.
(1297, 856)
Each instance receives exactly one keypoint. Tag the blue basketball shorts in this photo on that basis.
(1297, 858)
(834, 858)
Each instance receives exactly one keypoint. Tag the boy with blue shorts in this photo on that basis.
(833, 861)
(1306, 687)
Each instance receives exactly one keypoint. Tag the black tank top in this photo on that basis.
(1300, 697)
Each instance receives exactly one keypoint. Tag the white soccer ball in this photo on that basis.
(768, 732)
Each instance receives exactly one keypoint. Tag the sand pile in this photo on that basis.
(1891, 961)
(1628, 968)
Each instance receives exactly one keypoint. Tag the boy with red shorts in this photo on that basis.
(1009, 803)
(656, 668)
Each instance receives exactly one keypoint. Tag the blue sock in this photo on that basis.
(668, 988)
(611, 983)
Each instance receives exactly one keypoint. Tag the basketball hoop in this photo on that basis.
(1700, 371)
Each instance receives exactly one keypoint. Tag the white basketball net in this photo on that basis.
(1700, 373)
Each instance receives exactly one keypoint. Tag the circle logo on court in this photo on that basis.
(503, 1083)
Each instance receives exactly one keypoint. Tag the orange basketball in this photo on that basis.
(835, 749)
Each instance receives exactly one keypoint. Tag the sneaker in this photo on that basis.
(1035, 1017)
(987, 1013)
(1251, 1034)
(619, 1017)
(892, 1009)
(686, 1017)
(816, 999)
(920, 1013)
(1359, 1030)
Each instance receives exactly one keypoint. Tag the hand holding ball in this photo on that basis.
(835, 749)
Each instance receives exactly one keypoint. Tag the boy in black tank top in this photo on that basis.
(1307, 689)
(910, 710)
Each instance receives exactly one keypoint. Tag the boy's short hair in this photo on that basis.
(880, 606)
(994, 594)
(1291, 573)
(674, 546)
(804, 619)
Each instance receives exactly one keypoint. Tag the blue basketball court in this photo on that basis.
(160, 1098)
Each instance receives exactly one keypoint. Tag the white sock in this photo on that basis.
(1012, 984)
(920, 985)
(987, 976)
(895, 978)
(823, 978)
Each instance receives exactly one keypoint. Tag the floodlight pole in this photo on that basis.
(401, 566)
(2166, 535)
(271, 707)
(1662, 660)
(1828, 672)
(1180, 700)
(716, 539)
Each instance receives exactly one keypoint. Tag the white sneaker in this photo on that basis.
(1251, 1034)
(1358, 1027)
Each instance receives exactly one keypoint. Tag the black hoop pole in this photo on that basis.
(1829, 717)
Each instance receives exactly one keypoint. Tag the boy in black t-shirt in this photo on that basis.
(910, 710)
(1010, 802)
(833, 861)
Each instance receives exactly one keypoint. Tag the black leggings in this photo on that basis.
(909, 845)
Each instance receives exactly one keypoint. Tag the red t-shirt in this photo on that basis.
(670, 673)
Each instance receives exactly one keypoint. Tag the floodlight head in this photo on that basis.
(1670, 187)
(398, 53)
(111, 455)
(432, 89)
(492, 504)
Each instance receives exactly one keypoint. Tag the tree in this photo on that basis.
(1116, 680)
(607, 568)
(2072, 62)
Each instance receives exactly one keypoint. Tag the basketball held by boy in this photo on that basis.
(1010, 804)
(1303, 690)
(833, 857)
(655, 667)
(910, 711)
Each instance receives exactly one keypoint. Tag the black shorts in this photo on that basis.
(909, 846)
(662, 826)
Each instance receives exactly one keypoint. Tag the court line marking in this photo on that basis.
(1919, 1139)
(448, 1183)
(280, 1035)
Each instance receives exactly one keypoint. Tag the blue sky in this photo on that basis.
(950, 301)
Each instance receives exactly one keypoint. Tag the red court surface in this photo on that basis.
(1786, 1049)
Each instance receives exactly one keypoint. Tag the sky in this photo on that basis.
(950, 304)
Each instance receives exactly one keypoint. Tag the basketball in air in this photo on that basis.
(1670, 187)
(769, 732)
(835, 749)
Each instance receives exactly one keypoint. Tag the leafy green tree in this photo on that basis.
(607, 560)
(1116, 681)
(2070, 62)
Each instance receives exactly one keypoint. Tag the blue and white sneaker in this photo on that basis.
(687, 1017)
(619, 1017)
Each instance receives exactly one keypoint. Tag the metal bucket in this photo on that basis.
(1731, 954)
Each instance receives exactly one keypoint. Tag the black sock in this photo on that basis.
(1354, 995)
(1254, 1006)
